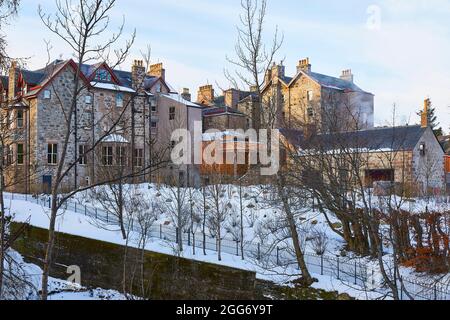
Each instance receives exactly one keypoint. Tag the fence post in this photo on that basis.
(189, 237)
(49, 203)
(237, 248)
(321, 265)
(85, 210)
(96, 213)
(176, 236)
(435, 292)
(356, 279)
(75, 207)
(278, 256)
(160, 231)
(259, 252)
(338, 269)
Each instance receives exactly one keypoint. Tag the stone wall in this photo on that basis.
(168, 277)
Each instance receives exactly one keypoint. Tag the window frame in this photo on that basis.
(107, 157)
(82, 161)
(47, 94)
(52, 154)
(119, 100)
(20, 155)
(20, 121)
(138, 157)
(172, 113)
(121, 156)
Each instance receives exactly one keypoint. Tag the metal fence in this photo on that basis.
(347, 270)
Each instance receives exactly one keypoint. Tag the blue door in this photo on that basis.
(47, 184)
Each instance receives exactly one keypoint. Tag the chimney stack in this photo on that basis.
(138, 75)
(157, 70)
(12, 81)
(347, 75)
(304, 65)
(206, 95)
(427, 104)
(186, 95)
(278, 70)
(232, 97)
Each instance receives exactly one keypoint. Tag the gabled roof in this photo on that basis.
(56, 69)
(378, 139)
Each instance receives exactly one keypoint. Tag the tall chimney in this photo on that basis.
(206, 95)
(138, 75)
(232, 98)
(157, 70)
(12, 81)
(426, 107)
(304, 65)
(186, 95)
(347, 75)
(278, 70)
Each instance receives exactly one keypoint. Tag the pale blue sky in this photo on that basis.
(403, 61)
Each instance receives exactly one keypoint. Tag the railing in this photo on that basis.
(347, 270)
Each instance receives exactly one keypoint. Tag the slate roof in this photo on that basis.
(332, 82)
(392, 138)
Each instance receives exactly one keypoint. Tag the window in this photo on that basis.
(20, 153)
(172, 113)
(422, 149)
(88, 99)
(19, 119)
(154, 124)
(52, 153)
(9, 155)
(119, 100)
(82, 155)
(138, 157)
(47, 94)
(310, 96)
(121, 157)
(103, 75)
(154, 108)
(158, 88)
(107, 156)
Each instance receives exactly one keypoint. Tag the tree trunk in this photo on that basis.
(306, 279)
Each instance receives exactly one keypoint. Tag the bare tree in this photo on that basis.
(81, 26)
(254, 57)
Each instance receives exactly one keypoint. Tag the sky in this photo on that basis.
(397, 49)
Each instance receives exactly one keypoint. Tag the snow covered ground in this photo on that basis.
(30, 283)
(258, 218)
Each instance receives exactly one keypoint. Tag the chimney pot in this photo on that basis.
(304, 65)
(424, 115)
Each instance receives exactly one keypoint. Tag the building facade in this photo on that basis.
(123, 122)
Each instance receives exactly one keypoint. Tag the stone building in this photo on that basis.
(410, 156)
(313, 99)
(126, 117)
(221, 113)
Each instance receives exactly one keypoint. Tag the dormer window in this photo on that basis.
(47, 94)
(103, 75)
